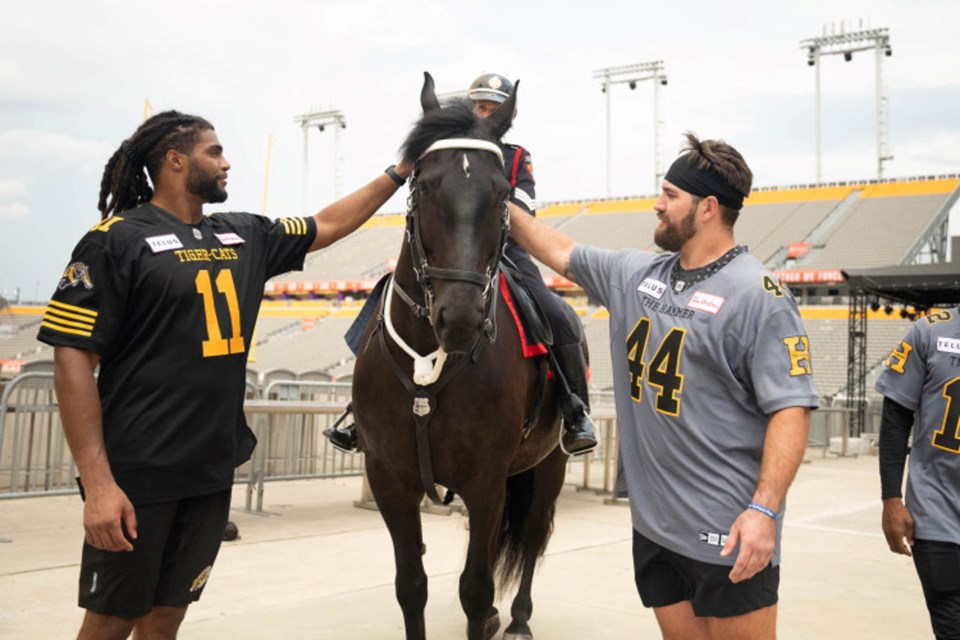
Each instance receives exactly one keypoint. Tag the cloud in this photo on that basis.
(12, 188)
(929, 152)
(15, 210)
(52, 150)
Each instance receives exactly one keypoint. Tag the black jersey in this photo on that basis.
(171, 308)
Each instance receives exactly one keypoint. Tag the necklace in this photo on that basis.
(682, 279)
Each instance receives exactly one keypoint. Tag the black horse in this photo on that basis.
(457, 416)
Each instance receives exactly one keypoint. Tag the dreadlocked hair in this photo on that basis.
(726, 161)
(124, 184)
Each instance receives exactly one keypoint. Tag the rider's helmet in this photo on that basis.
(490, 86)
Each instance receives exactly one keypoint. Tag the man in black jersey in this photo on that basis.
(164, 300)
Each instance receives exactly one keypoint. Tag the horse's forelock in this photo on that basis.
(456, 120)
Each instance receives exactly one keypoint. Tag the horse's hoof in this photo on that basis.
(518, 630)
(492, 624)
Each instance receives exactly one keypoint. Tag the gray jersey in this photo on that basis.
(923, 374)
(697, 373)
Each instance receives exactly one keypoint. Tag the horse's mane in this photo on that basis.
(457, 120)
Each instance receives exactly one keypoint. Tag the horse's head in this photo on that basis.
(457, 222)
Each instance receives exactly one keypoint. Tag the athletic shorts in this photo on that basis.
(938, 565)
(664, 577)
(177, 543)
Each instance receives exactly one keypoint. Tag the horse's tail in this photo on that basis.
(523, 533)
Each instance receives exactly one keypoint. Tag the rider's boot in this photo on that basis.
(345, 439)
(579, 435)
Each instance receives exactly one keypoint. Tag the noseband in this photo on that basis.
(421, 267)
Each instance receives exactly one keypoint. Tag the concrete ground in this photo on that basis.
(318, 567)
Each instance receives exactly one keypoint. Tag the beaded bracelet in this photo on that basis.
(762, 509)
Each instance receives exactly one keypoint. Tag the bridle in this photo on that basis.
(429, 376)
(426, 274)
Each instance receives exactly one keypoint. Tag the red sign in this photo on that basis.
(798, 249)
(809, 276)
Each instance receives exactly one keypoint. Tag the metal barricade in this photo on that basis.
(599, 467)
(289, 426)
(288, 420)
(829, 430)
(34, 457)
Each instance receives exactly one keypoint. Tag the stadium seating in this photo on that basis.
(363, 254)
(828, 331)
(318, 348)
(877, 231)
(848, 226)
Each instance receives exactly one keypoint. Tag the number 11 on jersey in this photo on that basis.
(216, 344)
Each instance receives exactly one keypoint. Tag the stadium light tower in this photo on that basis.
(321, 120)
(847, 44)
(631, 74)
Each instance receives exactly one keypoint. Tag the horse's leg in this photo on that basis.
(399, 505)
(548, 480)
(484, 502)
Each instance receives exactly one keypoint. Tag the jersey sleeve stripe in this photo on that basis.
(54, 327)
(70, 307)
(61, 320)
(294, 226)
(57, 314)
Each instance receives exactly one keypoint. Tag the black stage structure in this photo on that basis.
(921, 287)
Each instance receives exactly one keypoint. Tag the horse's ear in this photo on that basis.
(428, 97)
(502, 118)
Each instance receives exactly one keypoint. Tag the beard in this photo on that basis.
(673, 236)
(205, 187)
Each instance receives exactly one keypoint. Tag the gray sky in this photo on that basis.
(74, 77)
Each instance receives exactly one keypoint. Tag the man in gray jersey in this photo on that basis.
(923, 374)
(713, 391)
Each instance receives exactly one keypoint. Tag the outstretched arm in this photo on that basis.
(546, 244)
(105, 504)
(783, 449)
(345, 216)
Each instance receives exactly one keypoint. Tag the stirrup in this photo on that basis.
(345, 439)
(582, 440)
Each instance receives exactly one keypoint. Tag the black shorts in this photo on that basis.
(938, 565)
(177, 543)
(664, 578)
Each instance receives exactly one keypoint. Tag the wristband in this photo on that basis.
(396, 177)
(762, 509)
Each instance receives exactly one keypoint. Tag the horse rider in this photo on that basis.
(488, 92)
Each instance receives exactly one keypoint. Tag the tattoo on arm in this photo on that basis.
(567, 271)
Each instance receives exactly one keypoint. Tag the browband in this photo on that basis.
(464, 143)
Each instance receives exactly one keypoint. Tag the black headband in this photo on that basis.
(703, 182)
